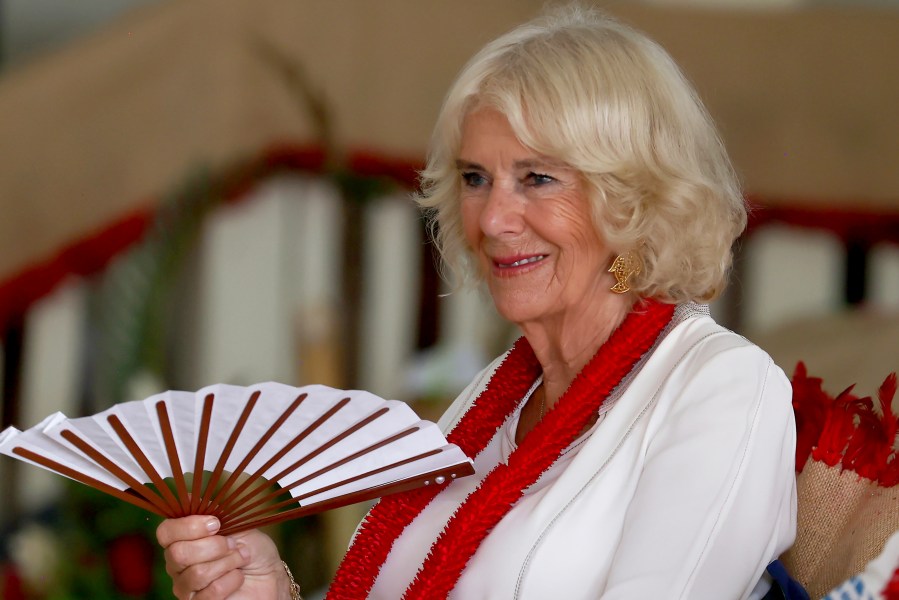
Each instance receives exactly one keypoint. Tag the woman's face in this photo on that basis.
(528, 221)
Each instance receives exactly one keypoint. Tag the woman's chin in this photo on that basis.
(519, 311)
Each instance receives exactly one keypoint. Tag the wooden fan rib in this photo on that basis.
(145, 464)
(209, 492)
(312, 476)
(225, 493)
(239, 495)
(293, 443)
(237, 502)
(171, 450)
(196, 496)
(347, 459)
(450, 472)
(102, 460)
(131, 498)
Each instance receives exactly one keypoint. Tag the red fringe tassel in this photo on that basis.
(846, 430)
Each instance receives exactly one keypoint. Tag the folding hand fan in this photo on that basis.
(250, 456)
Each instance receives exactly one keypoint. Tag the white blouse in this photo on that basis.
(684, 488)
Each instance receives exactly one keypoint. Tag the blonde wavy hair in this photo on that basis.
(580, 87)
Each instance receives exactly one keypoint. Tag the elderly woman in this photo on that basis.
(627, 446)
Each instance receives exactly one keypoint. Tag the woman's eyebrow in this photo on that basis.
(464, 165)
(536, 163)
(523, 164)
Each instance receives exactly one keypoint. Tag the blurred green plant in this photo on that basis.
(108, 550)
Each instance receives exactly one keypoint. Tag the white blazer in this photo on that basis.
(684, 489)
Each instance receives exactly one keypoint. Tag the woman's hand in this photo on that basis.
(206, 566)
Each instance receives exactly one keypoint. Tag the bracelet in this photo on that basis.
(294, 586)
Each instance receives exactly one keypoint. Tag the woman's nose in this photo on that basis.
(502, 214)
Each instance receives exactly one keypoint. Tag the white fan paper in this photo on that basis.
(323, 448)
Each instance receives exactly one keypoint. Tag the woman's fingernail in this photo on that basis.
(212, 525)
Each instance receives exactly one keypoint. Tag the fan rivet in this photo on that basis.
(440, 479)
(427, 482)
(453, 475)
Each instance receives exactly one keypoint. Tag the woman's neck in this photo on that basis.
(565, 344)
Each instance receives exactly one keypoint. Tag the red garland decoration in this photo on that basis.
(505, 484)
(387, 520)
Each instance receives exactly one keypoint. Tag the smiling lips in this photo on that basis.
(518, 262)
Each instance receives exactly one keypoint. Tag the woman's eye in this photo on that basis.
(536, 179)
(473, 179)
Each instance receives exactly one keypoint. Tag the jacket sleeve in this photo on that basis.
(715, 501)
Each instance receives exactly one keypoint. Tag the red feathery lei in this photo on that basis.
(505, 484)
